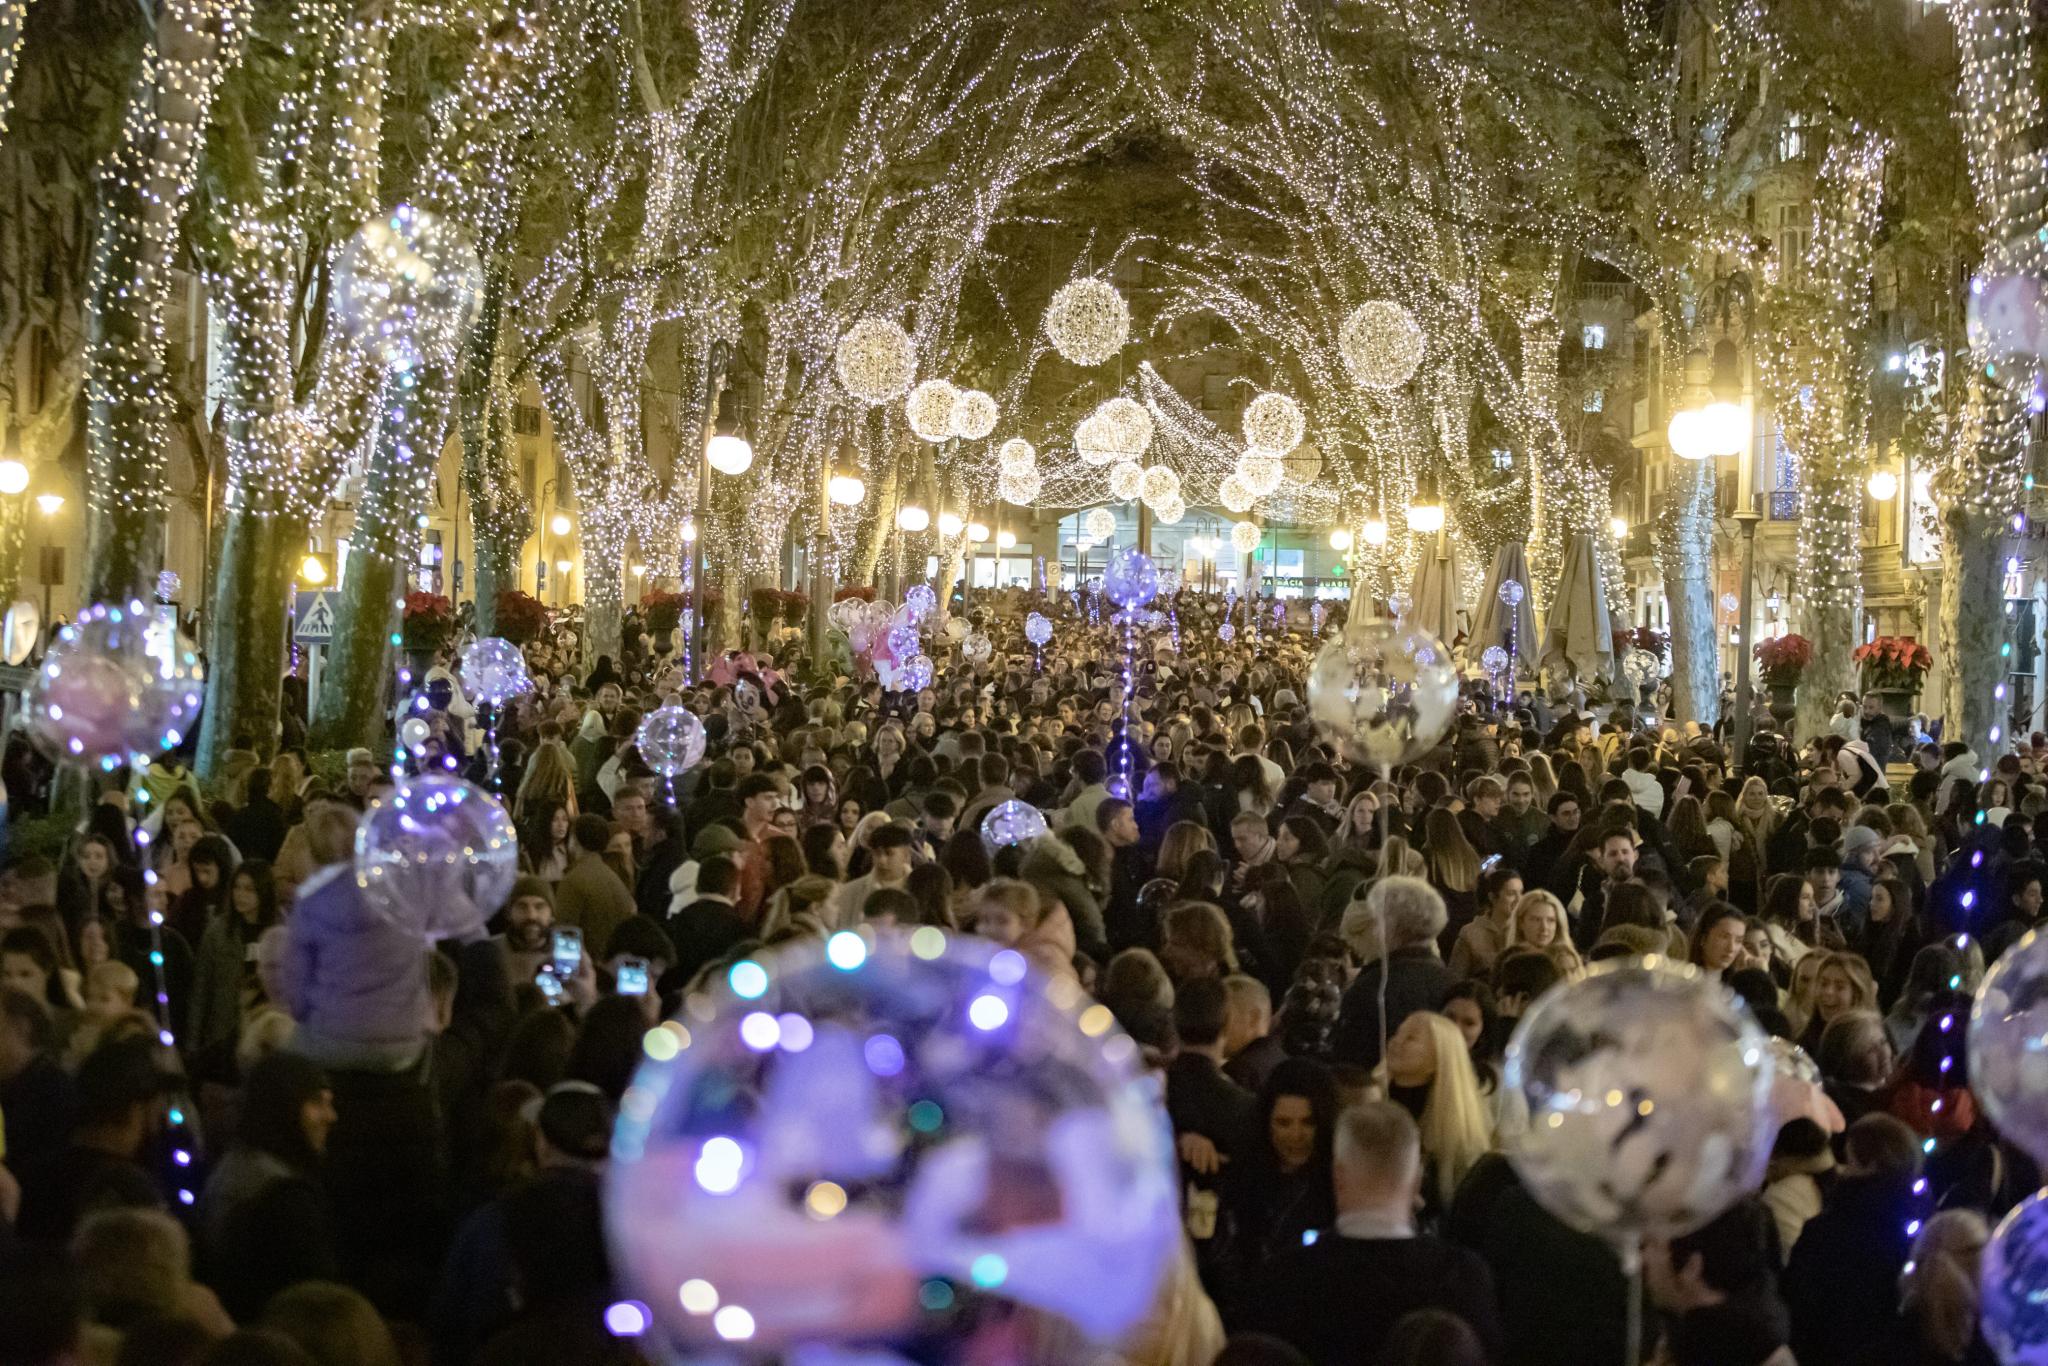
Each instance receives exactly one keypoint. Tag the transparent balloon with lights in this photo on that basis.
(494, 671)
(2014, 1285)
(408, 283)
(905, 1142)
(2008, 1040)
(1011, 822)
(119, 685)
(671, 740)
(1384, 693)
(437, 857)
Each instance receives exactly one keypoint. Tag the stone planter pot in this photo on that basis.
(1898, 702)
(1784, 705)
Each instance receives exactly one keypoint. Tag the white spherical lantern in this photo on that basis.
(1245, 537)
(1235, 494)
(930, 409)
(1087, 321)
(1019, 489)
(1126, 477)
(1374, 532)
(1273, 424)
(847, 490)
(1095, 442)
(729, 454)
(1171, 511)
(1382, 344)
(1099, 524)
(1129, 425)
(875, 360)
(951, 524)
(1017, 456)
(1159, 485)
(974, 415)
(1260, 472)
(911, 517)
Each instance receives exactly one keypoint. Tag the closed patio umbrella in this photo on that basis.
(1491, 618)
(1578, 637)
(1437, 603)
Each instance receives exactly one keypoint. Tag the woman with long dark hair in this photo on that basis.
(224, 967)
(544, 838)
(1280, 1190)
(211, 863)
(264, 1219)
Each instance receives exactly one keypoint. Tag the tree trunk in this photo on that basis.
(1972, 628)
(245, 661)
(732, 607)
(604, 576)
(1830, 583)
(876, 530)
(1687, 551)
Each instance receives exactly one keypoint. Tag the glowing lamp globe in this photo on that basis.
(1340, 540)
(846, 490)
(950, 524)
(1374, 532)
(13, 477)
(911, 517)
(1691, 437)
(729, 454)
(1883, 486)
(1426, 518)
(977, 532)
(1006, 540)
(1727, 427)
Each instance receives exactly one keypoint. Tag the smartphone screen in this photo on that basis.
(568, 950)
(632, 977)
(549, 984)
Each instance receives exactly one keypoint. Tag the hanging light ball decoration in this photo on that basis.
(1385, 693)
(1019, 489)
(1160, 485)
(1099, 524)
(875, 360)
(1038, 629)
(1128, 424)
(1235, 494)
(437, 857)
(930, 409)
(2009, 1045)
(670, 740)
(1087, 321)
(1245, 537)
(1273, 424)
(119, 686)
(407, 283)
(1126, 477)
(1130, 579)
(1261, 473)
(1171, 511)
(850, 1143)
(1017, 456)
(1649, 1100)
(1511, 592)
(1382, 344)
(494, 671)
(974, 415)
(2015, 1267)
(1095, 442)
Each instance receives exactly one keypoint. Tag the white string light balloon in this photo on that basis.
(1087, 321)
(1382, 344)
(930, 409)
(1273, 424)
(875, 360)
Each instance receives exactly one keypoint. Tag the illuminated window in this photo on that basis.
(1595, 336)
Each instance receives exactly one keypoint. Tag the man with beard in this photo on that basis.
(528, 916)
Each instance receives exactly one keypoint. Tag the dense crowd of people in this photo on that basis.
(283, 1129)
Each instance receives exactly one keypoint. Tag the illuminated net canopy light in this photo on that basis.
(1125, 478)
(1087, 321)
(1273, 424)
(875, 360)
(1017, 456)
(974, 415)
(1382, 344)
(930, 409)
(1019, 488)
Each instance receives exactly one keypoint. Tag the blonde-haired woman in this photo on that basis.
(550, 776)
(1543, 776)
(1397, 859)
(1757, 810)
(1428, 1071)
(1541, 923)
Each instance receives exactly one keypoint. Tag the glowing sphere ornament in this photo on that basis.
(1235, 494)
(1017, 456)
(1037, 629)
(1273, 424)
(875, 360)
(119, 686)
(1126, 478)
(1131, 579)
(671, 740)
(1087, 321)
(1493, 659)
(438, 857)
(1099, 524)
(1648, 1095)
(1384, 693)
(1245, 537)
(2015, 1271)
(850, 1142)
(407, 285)
(977, 648)
(900, 641)
(1160, 485)
(1382, 344)
(919, 601)
(974, 415)
(1127, 424)
(1094, 442)
(1019, 489)
(494, 671)
(2007, 317)
(1261, 473)
(916, 674)
(1011, 822)
(2009, 1045)
(930, 409)
(1171, 511)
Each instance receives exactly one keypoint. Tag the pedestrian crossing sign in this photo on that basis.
(315, 613)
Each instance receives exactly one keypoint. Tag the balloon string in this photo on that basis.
(1380, 915)
(1631, 1254)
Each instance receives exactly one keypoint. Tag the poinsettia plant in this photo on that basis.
(854, 590)
(1627, 638)
(663, 611)
(1782, 659)
(795, 603)
(764, 605)
(428, 622)
(1893, 663)
(520, 617)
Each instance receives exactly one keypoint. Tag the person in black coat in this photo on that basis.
(1714, 1286)
(1842, 1282)
(703, 930)
(1277, 1194)
(1214, 1119)
(257, 829)
(1394, 928)
(264, 1219)
(1339, 1296)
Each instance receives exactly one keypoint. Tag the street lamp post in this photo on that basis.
(726, 451)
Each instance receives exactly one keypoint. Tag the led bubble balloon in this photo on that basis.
(2009, 1045)
(916, 674)
(413, 735)
(1037, 629)
(854, 1142)
(438, 856)
(120, 685)
(1648, 1097)
(977, 648)
(670, 740)
(1131, 580)
(1011, 822)
(920, 601)
(956, 630)
(2015, 1272)
(1384, 692)
(494, 671)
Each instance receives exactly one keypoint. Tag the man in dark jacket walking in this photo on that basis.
(1394, 929)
